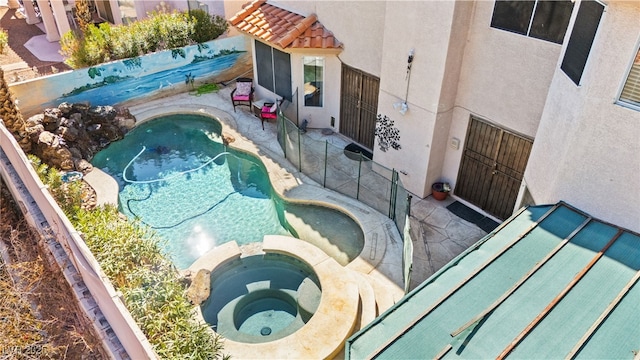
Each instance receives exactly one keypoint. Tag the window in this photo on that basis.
(313, 80)
(274, 69)
(582, 35)
(631, 90)
(545, 20)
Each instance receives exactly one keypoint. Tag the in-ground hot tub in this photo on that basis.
(261, 298)
(292, 300)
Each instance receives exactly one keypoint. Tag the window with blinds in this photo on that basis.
(631, 90)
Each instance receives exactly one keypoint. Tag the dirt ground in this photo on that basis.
(19, 33)
(39, 316)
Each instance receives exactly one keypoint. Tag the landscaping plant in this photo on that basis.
(94, 45)
(4, 40)
(129, 253)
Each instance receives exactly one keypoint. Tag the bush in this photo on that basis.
(161, 31)
(67, 195)
(130, 256)
(207, 27)
(4, 40)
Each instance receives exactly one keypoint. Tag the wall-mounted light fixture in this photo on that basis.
(402, 107)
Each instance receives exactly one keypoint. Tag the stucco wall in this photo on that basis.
(586, 150)
(156, 74)
(319, 117)
(505, 78)
(439, 46)
(359, 25)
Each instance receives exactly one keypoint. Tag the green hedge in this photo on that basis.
(161, 31)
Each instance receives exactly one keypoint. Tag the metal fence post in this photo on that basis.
(326, 151)
(394, 190)
(359, 173)
(284, 135)
(299, 152)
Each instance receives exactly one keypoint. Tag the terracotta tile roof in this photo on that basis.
(283, 28)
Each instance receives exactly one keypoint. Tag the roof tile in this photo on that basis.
(283, 28)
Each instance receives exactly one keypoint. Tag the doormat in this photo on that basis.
(464, 212)
(353, 151)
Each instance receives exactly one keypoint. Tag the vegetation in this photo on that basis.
(4, 40)
(11, 116)
(130, 256)
(161, 31)
(83, 14)
(207, 26)
(39, 317)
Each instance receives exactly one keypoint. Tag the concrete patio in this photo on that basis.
(438, 235)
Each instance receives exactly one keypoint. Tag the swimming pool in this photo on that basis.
(176, 176)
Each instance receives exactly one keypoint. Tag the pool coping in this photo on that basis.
(323, 336)
(284, 178)
(377, 269)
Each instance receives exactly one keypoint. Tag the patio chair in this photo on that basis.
(243, 93)
(269, 111)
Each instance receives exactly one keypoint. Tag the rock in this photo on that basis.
(68, 133)
(200, 287)
(48, 139)
(76, 153)
(68, 136)
(125, 123)
(76, 117)
(66, 108)
(51, 119)
(227, 139)
(124, 118)
(81, 108)
(101, 113)
(83, 166)
(33, 132)
(51, 115)
(93, 127)
(34, 120)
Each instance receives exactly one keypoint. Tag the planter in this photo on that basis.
(440, 190)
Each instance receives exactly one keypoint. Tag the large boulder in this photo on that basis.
(200, 287)
(69, 135)
(101, 114)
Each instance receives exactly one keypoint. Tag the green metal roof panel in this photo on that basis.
(527, 266)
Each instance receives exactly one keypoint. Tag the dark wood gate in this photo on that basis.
(492, 168)
(358, 105)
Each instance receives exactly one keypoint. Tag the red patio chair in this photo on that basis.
(243, 93)
(269, 111)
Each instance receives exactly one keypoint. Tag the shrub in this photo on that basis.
(161, 31)
(83, 14)
(67, 195)
(4, 40)
(208, 27)
(130, 256)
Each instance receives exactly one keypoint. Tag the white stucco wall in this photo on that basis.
(319, 117)
(505, 78)
(406, 28)
(359, 25)
(587, 147)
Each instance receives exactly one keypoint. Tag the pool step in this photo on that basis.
(368, 309)
(384, 297)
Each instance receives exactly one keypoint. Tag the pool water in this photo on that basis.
(229, 198)
(261, 298)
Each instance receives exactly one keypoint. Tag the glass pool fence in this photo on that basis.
(349, 173)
